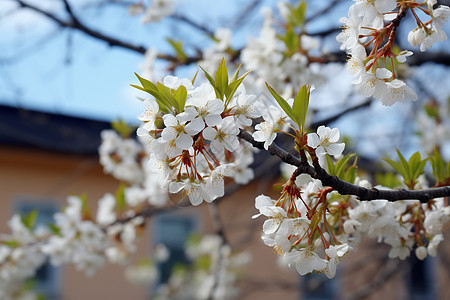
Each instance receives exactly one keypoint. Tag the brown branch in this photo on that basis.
(340, 114)
(74, 23)
(192, 24)
(346, 188)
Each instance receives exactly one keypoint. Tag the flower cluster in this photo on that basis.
(375, 72)
(298, 227)
(126, 160)
(121, 157)
(313, 227)
(198, 147)
(281, 53)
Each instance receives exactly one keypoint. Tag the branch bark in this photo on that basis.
(346, 188)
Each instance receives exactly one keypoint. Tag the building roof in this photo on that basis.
(49, 131)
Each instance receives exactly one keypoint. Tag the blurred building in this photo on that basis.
(45, 157)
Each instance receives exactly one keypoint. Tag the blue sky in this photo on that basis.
(48, 68)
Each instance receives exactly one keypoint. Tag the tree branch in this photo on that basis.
(76, 24)
(346, 188)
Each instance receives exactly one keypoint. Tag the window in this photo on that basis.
(47, 278)
(318, 287)
(420, 279)
(173, 231)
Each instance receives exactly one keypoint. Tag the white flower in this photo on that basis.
(174, 82)
(266, 131)
(215, 183)
(434, 244)
(222, 136)
(371, 84)
(305, 260)
(401, 57)
(260, 202)
(324, 141)
(150, 111)
(158, 10)
(247, 107)
(396, 91)
(400, 248)
(177, 131)
(105, 212)
(196, 191)
(335, 253)
(203, 107)
(355, 65)
(349, 35)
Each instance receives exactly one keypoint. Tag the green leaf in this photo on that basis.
(283, 104)
(389, 180)
(300, 106)
(193, 78)
(404, 164)
(233, 86)
(122, 128)
(341, 169)
(167, 96)
(236, 74)
(178, 47)
(29, 220)
(297, 14)
(86, 213)
(138, 87)
(341, 165)
(416, 165)
(146, 84)
(330, 165)
(11, 243)
(211, 81)
(410, 170)
(439, 167)
(121, 203)
(148, 87)
(292, 40)
(350, 175)
(221, 79)
(54, 228)
(181, 96)
(396, 165)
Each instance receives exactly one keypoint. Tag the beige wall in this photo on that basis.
(50, 176)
